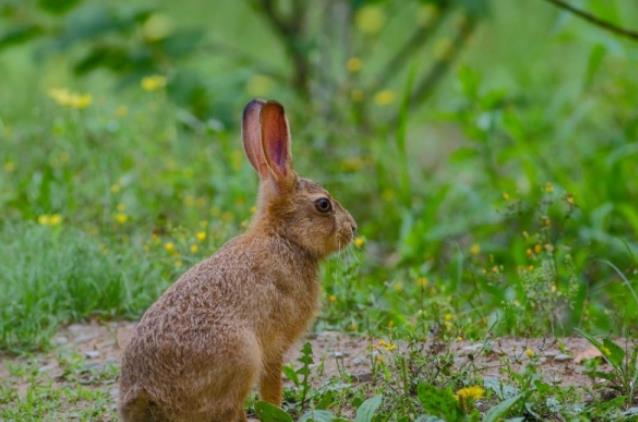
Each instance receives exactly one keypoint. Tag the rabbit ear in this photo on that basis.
(275, 138)
(251, 135)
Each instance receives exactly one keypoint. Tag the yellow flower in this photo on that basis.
(201, 236)
(549, 188)
(66, 98)
(475, 249)
(384, 97)
(194, 248)
(253, 209)
(169, 247)
(506, 196)
(9, 167)
(388, 346)
(525, 234)
(474, 392)
(332, 298)
(259, 85)
(121, 218)
(529, 353)
(116, 187)
(570, 199)
(398, 286)
(153, 83)
(354, 64)
(55, 219)
(538, 248)
(529, 252)
(370, 19)
(448, 317)
(359, 241)
(422, 282)
(495, 269)
(547, 221)
(549, 247)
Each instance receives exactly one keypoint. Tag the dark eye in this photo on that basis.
(323, 205)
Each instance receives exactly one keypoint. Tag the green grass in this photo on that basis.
(504, 206)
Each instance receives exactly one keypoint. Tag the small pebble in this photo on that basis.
(91, 354)
(562, 357)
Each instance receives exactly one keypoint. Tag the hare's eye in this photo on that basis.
(323, 205)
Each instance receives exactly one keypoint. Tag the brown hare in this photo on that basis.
(225, 325)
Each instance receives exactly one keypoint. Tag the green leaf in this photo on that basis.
(19, 35)
(614, 353)
(267, 412)
(501, 409)
(57, 7)
(596, 56)
(439, 402)
(317, 416)
(368, 408)
(291, 374)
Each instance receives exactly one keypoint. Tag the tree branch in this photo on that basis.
(595, 20)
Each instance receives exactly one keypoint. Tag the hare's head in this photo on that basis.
(295, 208)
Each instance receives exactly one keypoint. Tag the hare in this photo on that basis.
(226, 323)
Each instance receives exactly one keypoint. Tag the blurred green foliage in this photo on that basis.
(488, 150)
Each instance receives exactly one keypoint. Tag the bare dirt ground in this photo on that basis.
(100, 345)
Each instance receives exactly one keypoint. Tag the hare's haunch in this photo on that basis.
(225, 325)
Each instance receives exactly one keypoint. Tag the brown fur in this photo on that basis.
(227, 322)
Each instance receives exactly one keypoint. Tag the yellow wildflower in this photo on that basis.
(472, 393)
(506, 196)
(121, 218)
(388, 346)
(354, 64)
(55, 219)
(384, 97)
(153, 83)
(116, 187)
(332, 298)
(359, 241)
(475, 249)
(549, 188)
(398, 286)
(538, 248)
(169, 247)
(448, 317)
(66, 98)
(253, 209)
(549, 247)
(201, 236)
(370, 19)
(422, 282)
(9, 167)
(529, 353)
(570, 199)
(194, 248)
(525, 234)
